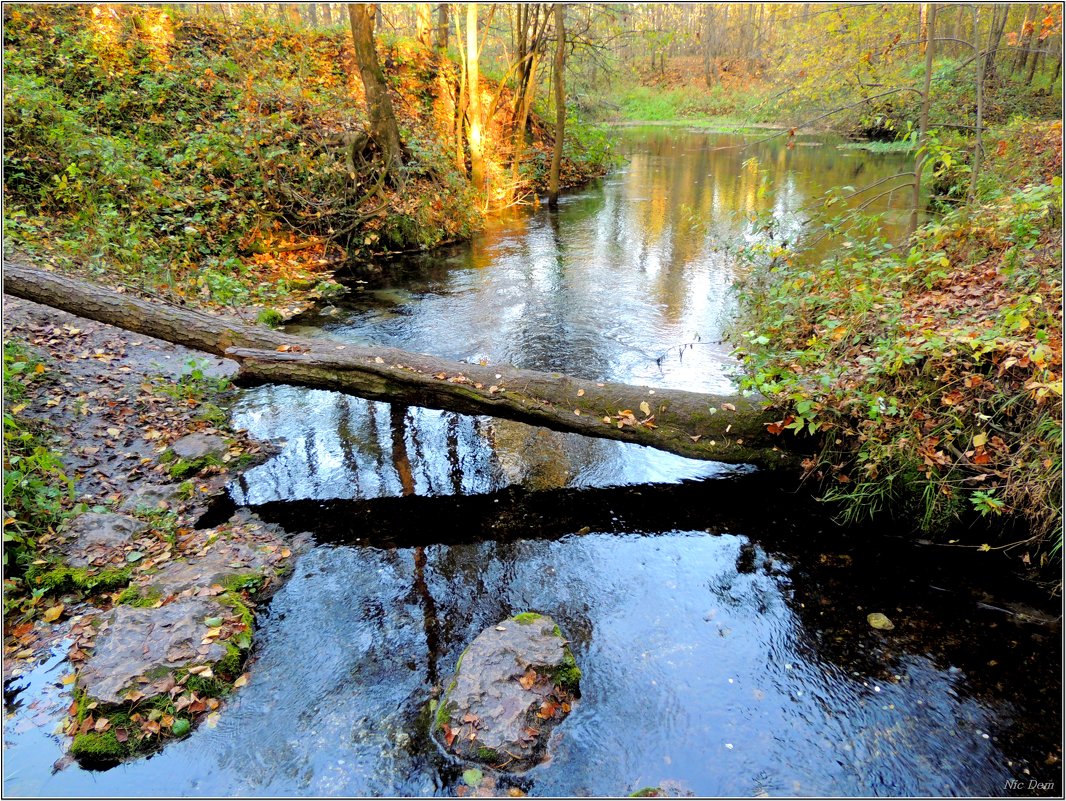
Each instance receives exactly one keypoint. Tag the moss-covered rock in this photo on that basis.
(513, 684)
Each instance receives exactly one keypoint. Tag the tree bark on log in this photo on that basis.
(724, 428)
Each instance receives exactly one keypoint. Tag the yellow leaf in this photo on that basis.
(39, 368)
(52, 614)
(980, 439)
(580, 392)
(577, 412)
(241, 681)
(644, 407)
(18, 408)
(69, 679)
(212, 719)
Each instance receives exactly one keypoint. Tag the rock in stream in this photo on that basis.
(513, 685)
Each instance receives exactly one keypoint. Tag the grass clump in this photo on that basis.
(526, 618)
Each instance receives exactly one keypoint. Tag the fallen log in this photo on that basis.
(725, 428)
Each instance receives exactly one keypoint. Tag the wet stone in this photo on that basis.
(199, 446)
(94, 535)
(152, 496)
(148, 642)
(223, 563)
(513, 685)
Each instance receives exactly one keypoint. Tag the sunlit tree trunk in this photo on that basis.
(327, 14)
(560, 105)
(923, 122)
(424, 25)
(383, 128)
(473, 110)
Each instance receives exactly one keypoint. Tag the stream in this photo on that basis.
(718, 618)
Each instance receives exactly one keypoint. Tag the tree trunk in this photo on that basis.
(1025, 37)
(473, 99)
(441, 42)
(383, 128)
(560, 106)
(327, 15)
(995, 35)
(979, 79)
(424, 25)
(666, 419)
(923, 122)
(312, 14)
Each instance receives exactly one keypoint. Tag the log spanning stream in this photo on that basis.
(720, 620)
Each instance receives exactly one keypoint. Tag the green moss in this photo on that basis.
(98, 747)
(131, 596)
(243, 581)
(271, 317)
(58, 579)
(486, 754)
(444, 709)
(646, 792)
(186, 490)
(558, 632)
(230, 664)
(525, 618)
(568, 675)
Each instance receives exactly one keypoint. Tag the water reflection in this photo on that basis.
(713, 680)
(335, 446)
(630, 280)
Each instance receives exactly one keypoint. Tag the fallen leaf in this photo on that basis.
(528, 679)
(644, 407)
(241, 681)
(52, 613)
(879, 621)
(580, 392)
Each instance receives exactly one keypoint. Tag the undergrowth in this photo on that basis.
(932, 375)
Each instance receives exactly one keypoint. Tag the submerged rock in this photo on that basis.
(93, 536)
(199, 446)
(515, 683)
(149, 643)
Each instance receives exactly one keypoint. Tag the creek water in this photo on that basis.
(719, 619)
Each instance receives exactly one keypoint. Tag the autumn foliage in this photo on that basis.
(933, 375)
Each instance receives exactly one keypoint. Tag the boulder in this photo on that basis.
(151, 643)
(513, 685)
(199, 446)
(94, 535)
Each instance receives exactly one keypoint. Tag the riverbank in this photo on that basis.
(932, 371)
(210, 161)
(116, 444)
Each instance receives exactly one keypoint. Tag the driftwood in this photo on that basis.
(729, 428)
